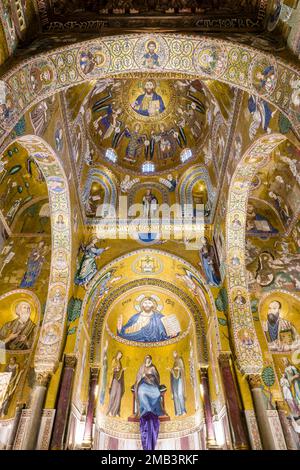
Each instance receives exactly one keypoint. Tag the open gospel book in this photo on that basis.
(172, 325)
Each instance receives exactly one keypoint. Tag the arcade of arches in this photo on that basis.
(121, 334)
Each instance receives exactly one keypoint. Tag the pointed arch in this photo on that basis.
(51, 334)
(249, 356)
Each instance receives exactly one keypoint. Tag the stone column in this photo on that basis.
(291, 438)
(237, 421)
(260, 407)
(63, 403)
(14, 429)
(88, 430)
(210, 432)
(37, 400)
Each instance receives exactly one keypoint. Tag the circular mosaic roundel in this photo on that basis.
(151, 53)
(210, 59)
(94, 60)
(263, 75)
(41, 76)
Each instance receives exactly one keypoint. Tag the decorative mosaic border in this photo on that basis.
(248, 350)
(238, 65)
(51, 333)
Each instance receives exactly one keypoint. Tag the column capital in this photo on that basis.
(224, 358)
(254, 381)
(70, 360)
(203, 368)
(43, 378)
(281, 405)
(94, 372)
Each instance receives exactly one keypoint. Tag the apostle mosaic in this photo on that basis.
(261, 114)
(149, 324)
(280, 333)
(19, 333)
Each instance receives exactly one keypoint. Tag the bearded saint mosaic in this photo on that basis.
(148, 120)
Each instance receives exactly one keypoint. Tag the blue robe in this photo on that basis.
(153, 332)
(149, 398)
(208, 267)
(264, 109)
(155, 97)
(151, 58)
(147, 390)
(88, 267)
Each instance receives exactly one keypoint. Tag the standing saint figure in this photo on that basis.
(150, 204)
(88, 267)
(13, 368)
(178, 386)
(34, 265)
(209, 264)
(116, 389)
(104, 369)
(292, 374)
(19, 333)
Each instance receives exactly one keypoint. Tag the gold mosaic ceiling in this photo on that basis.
(159, 121)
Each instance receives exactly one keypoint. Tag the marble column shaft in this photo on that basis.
(88, 430)
(210, 432)
(15, 426)
(260, 408)
(37, 401)
(291, 438)
(236, 419)
(63, 403)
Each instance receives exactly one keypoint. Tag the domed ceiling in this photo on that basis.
(159, 121)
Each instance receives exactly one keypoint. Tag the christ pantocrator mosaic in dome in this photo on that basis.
(148, 120)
